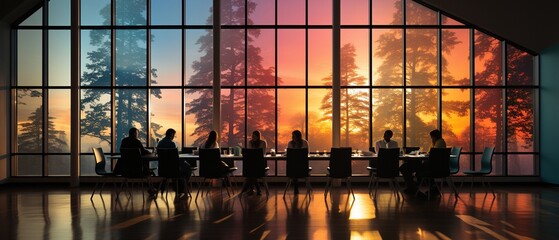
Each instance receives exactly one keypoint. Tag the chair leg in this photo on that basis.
(327, 188)
(308, 185)
(266, 186)
(287, 186)
(93, 193)
(371, 182)
(350, 187)
(200, 187)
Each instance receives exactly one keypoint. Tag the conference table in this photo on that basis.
(230, 159)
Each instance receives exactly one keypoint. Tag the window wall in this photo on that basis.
(149, 64)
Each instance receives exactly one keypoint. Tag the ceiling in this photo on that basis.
(530, 24)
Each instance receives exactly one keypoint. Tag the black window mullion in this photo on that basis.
(504, 137)
(472, 100)
(148, 74)
(45, 81)
(404, 105)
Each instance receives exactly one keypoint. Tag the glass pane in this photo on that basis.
(354, 69)
(58, 132)
(416, 14)
(456, 117)
(388, 114)
(291, 115)
(58, 165)
(450, 21)
(488, 63)
(87, 165)
(130, 112)
(166, 12)
(165, 112)
(131, 12)
(291, 12)
(36, 19)
(29, 58)
(320, 56)
(232, 12)
(198, 58)
(30, 165)
(59, 12)
(232, 57)
(421, 116)
(198, 118)
(261, 12)
(59, 58)
(96, 121)
(354, 119)
(354, 12)
(131, 58)
(489, 119)
(232, 118)
(456, 57)
(520, 67)
(95, 12)
(261, 114)
(465, 163)
(261, 57)
(520, 165)
(166, 61)
(320, 120)
(96, 58)
(387, 12)
(199, 12)
(320, 12)
(387, 57)
(421, 57)
(520, 119)
(291, 57)
(29, 121)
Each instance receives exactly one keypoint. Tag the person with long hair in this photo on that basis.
(211, 142)
(255, 143)
(297, 141)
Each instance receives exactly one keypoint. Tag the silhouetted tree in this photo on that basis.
(131, 70)
(354, 103)
(421, 69)
(261, 114)
(31, 134)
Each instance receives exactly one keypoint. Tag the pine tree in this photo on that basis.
(130, 104)
(31, 135)
(261, 114)
(421, 70)
(354, 104)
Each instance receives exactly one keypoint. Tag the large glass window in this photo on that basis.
(150, 65)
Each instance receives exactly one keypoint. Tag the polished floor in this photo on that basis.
(43, 211)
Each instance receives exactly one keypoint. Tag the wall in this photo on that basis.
(4, 83)
(549, 116)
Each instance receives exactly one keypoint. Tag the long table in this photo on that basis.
(233, 160)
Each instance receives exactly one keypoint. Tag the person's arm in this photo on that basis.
(142, 149)
(264, 145)
(290, 144)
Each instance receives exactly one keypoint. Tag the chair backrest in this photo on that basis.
(297, 163)
(169, 165)
(132, 166)
(372, 149)
(254, 164)
(210, 163)
(388, 162)
(100, 161)
(408, 150)
(438, 163)
(455, 160)
(487, 160)
(190, 150)
(340, 162)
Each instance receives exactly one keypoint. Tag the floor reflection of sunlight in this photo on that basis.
(357, 235)
(363, 208)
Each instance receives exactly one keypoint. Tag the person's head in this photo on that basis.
(212, 137)
(435, 135)
(170, 133)
(256, 135)
(296, 136)
(388, 135)
(133, 132)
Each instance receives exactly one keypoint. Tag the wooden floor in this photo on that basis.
(44, 211)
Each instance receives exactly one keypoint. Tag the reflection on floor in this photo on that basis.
(57, 212)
